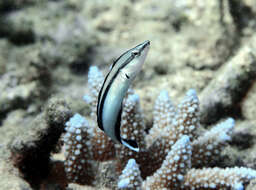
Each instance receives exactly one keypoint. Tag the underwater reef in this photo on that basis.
(53, 55)
(173, 155)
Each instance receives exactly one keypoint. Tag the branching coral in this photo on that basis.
(174, 155)
(78, 164)
(130, 177)
(176, 164)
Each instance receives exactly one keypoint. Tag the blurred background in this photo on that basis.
(47, 47)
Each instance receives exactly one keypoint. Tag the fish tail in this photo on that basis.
(131, 144)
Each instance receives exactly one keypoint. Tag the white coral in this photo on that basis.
(130, 177)
(173, 148)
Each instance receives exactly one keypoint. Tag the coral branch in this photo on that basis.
(230, 86)
(207, 148)
(130, 178)
(185, 122)
(95, 80)
(78, 163)
(171, 173)
(169, 155)
(132, 127)
(216, 178)
(164, 112)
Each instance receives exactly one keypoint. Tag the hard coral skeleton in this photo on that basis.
(128, 182)
(172, 155)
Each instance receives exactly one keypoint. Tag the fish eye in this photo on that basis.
(135, 53)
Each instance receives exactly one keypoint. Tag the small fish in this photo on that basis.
(113, 90)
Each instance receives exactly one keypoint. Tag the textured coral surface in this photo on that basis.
(173, 155)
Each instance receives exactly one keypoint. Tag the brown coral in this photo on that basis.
(169, 154)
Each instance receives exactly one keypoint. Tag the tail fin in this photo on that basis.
(130, 144)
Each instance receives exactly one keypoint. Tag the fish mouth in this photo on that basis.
(145, 44)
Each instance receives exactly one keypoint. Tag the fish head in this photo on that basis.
(137, 56)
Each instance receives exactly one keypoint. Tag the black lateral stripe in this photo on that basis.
(118, 125)
(126, 62)
(124, 54)
(101, 101)
(99, 110)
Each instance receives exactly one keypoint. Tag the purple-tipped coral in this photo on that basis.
(173, 155)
